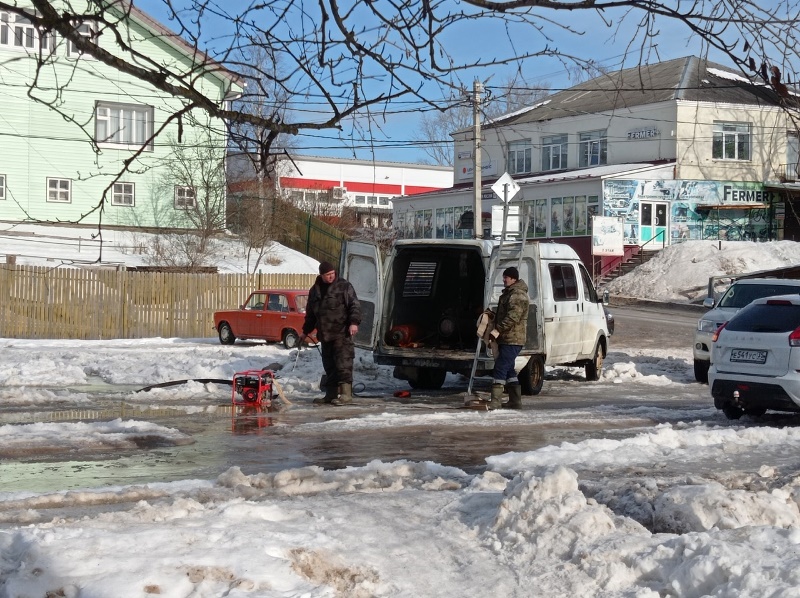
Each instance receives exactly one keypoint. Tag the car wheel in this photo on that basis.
(701, 371)
(290, 338)
(429, 379)
(226, 336)
(531, 377)
(595, 367)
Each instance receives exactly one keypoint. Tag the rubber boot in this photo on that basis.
(514, 397)
(497, 393)
(345, 394)
(330, 396)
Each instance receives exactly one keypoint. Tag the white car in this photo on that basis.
(739, 294)
(755, 361)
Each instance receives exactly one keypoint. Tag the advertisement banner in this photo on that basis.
(607, 236)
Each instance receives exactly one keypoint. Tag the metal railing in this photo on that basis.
(631, 253)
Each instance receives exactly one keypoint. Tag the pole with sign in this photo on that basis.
(505, 188)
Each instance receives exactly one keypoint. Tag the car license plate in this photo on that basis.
(748, 356)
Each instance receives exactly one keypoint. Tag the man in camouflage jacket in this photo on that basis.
(510, 331)
(333, 309)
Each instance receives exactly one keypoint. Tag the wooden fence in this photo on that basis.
(69, 303)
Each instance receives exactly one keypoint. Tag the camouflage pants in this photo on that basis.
(337, 358)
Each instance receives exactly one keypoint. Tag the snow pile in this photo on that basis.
(681, 272)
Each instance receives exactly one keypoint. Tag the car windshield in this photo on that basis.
(739, 295)
(767, 317)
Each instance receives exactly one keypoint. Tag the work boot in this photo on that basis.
(497, 393)
(345, 394)
(330, 396)
(514, 397)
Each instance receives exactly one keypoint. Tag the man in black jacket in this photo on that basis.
(333, 309)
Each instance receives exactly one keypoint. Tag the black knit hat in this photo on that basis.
(511, 272)
(325, 267)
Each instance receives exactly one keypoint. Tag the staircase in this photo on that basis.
(625, 266)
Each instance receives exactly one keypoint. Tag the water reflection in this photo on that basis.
(253, 418)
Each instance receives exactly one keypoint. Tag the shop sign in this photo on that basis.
(647, 133)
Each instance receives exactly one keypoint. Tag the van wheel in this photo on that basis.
(531, 377)
(290, 339)
(226, 336)
(701, 371)
(428, 379)
(595, 367)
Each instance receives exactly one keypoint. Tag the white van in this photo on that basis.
(421, 306)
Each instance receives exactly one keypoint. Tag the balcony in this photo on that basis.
(787, 173)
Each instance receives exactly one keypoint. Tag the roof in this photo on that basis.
(213, 67)
(688, 78)
(595, 172)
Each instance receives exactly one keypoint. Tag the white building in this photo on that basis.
(329, 185)
(677, 150)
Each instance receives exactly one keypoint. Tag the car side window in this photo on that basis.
(256, 301)
(565, 284)
(278, 303)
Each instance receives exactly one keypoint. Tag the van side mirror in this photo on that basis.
(605, 296)
(708, 302)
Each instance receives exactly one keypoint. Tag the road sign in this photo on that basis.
(504, 192)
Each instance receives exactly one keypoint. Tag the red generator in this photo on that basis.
(253, 387)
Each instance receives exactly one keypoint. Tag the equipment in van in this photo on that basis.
(420, 305)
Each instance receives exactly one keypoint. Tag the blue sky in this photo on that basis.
(390, 134)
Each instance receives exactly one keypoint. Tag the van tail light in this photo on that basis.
(716, 334)
(794, 338)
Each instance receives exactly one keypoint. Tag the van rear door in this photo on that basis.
(361, 266)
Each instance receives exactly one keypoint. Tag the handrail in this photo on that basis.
(629, 256)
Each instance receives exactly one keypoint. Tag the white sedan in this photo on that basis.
(755, 359)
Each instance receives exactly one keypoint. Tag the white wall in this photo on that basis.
(621, 148)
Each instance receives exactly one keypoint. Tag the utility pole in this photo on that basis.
(477, 226)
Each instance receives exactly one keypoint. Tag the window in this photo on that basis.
(278, 303)
(124, 124)
(17, 31)
(383, 201)
(86, 30)
(519, 157)
(122, 194)
(2, 186)
(419, 279)
(59, 190)
(565, 283)
(256, 301)
(554, 152)
(593, 148)
(372, 200)
(361, 199)
(184, 197)
(731, 141)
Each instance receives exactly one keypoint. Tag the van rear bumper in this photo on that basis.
(434, 360)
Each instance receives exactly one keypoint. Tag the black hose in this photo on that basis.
(178, 382)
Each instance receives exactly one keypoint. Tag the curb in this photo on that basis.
(674, 305)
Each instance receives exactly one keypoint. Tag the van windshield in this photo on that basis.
(739, 295)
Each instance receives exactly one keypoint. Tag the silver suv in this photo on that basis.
(739, 294)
